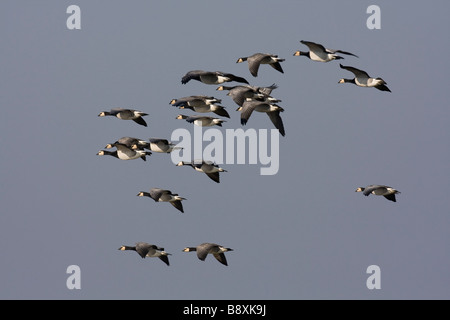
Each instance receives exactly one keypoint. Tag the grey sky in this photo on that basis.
(300, 234)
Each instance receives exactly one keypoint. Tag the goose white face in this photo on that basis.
(102, 114)
(101, 153)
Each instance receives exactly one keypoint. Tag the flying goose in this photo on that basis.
(162, 195)
(202, 121)
(255, 60)
(271, 109)
(318, 52)
(130, 142)
(126, 114)
(210, 248)
(379, 190)
(202, 104)
(145, 249)
(209, 168)
(242, 92)
(362, 79)
(211, 77)
(195, 100)
(125, 153)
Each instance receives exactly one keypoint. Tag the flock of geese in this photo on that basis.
(248, 98)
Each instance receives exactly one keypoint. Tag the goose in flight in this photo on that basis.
(240, 93)
(379, 190)
(211, 169)
(211, 77)
(145, 249)
(195, 100)
(318, 52)
(202, 121)
(130, 142)
(201, 104)
(126, 114)
(255, 60)
(362, 79)
(271, 109)
(206, 248)
(125, 153)
(163, 195)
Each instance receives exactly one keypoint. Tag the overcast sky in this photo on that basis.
(302, 233)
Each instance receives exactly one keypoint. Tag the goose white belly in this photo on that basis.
(208, 79)
(156, 148)
(321, 57)
(362, 82)
(383, 191)
(123, 156)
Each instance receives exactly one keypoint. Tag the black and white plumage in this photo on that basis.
(379, 190)
(147, 250)
(240, 93)
(126, 114)
(164, 195)
(211, 169)
(195, 100)
(211, 77)
(130, 142)
(201, 121)
(161, 145)
(201, 104)
(255, 60)
(206, 248)
(362, 79)
(271, 109)
(318, 52)
(123, 152)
